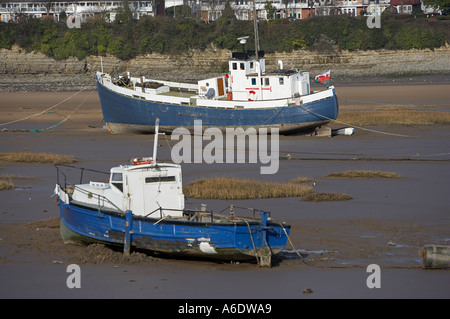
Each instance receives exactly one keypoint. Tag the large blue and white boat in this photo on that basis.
(142, 207)
(247, 96)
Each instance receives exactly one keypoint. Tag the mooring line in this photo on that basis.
(355, 126)
(68, 117)
(290, 241)
(251, 237)
(291, 155)
(46, 110)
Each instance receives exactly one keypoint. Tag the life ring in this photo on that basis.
(250, 93)
(142, 160)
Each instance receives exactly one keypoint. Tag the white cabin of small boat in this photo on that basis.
(153, 190)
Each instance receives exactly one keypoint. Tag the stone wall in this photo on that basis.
(16, 66)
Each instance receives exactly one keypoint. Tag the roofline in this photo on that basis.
(152, 165)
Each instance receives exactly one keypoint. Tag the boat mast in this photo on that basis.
(155, 142)
(258, 65)
(255, 27)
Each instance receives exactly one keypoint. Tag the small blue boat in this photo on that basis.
(141, 207)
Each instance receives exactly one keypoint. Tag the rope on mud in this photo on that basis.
(253, 243)
(167, 141)
(67, 117)
(355, 126)
(290, 241)
(46, 110)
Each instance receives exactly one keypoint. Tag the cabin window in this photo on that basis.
(242, 66)
(265, 81)
(253, 81)
(234, 65)
(117, 181)
(159, 179)
(251, 65)
(281, 81)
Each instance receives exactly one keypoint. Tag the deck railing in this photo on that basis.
(100, 198)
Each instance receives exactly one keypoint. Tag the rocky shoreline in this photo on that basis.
(32, 72)
(77, 82)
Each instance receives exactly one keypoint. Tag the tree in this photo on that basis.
(48, 6)
(228, 12)
(270, 9)
(311, 12)
(124, 13)
(285, 2)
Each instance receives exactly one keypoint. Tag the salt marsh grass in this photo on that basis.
(36, 158)
(393, 116)
(302, 180)
(6, 183)
(235, 189)
(363, 174)
(326, 197)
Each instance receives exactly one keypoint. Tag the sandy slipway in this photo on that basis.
(386, 222)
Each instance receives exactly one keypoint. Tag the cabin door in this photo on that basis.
(160, 192)
(220, 86)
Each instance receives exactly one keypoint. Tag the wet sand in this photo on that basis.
(386, 222)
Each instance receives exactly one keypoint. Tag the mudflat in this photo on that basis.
(385, 223)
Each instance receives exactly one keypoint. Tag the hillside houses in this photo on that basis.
(57, 10)
(206, 10)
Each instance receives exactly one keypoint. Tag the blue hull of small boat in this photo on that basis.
(230, 240)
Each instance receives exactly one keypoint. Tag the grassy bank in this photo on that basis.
(36, 158)
(326, 197)
(363, 174)
(238, 189)
(235, 189)
(6, 183)
(126, 37)
(393, 116)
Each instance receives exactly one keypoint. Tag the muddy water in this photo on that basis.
(385, 223)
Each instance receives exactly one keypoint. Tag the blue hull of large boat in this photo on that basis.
(127, 114)
(236, 240)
